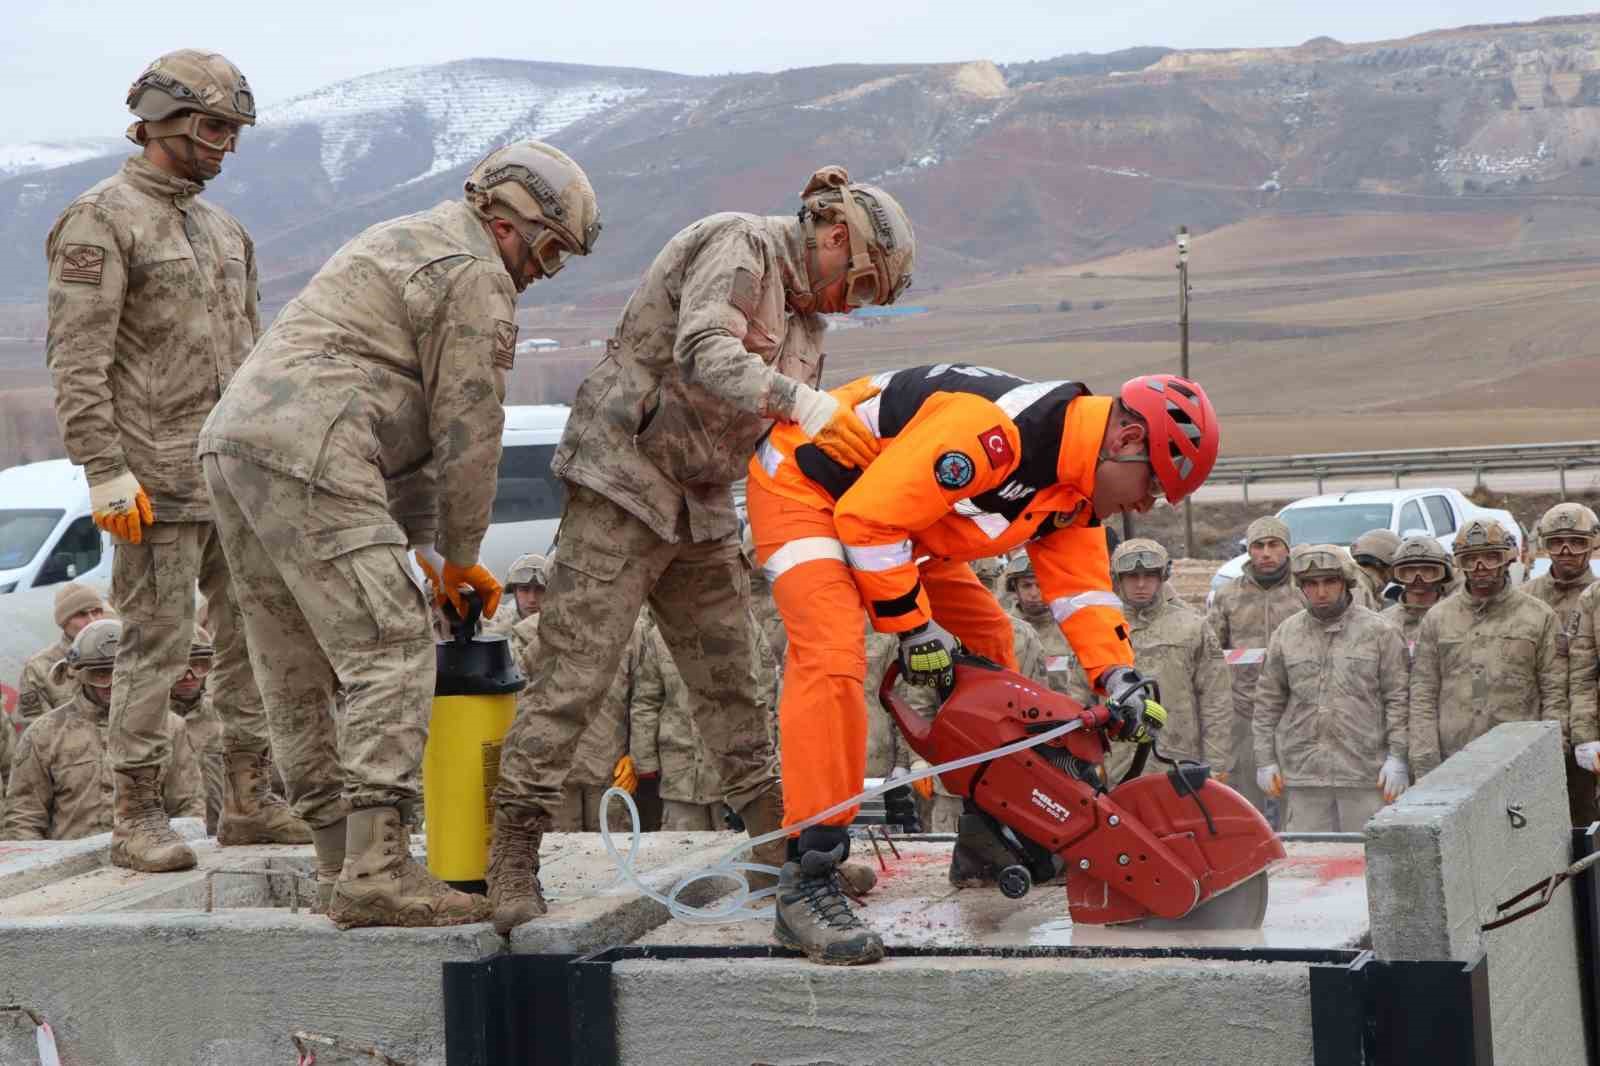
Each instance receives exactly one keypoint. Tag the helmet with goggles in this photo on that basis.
(1375, 547)
(1420, 559)
(534, 183)
(1482, 536)
(180, 89)
(1140, 555)
(1568, 521)
(1321, 560)
(93, 653)
(882, 244)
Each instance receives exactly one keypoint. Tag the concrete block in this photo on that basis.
(962, 1010)
(1441, 858)
(29, 864)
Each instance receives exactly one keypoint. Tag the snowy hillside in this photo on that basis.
(29, 156)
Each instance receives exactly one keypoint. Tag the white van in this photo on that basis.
(48, 536)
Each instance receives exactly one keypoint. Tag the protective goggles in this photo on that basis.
(549, 250)
(97, 676)
(1142, 560)
(199, 666)
(1492, 560)
(188, 125)
(1419, 573)
(1568, 545)
(864, 284)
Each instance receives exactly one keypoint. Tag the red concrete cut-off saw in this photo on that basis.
(1175, 850)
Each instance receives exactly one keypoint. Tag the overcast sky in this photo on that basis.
(65, 65)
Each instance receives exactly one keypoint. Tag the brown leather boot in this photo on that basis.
(329, 842)
(251, 813)
(761, 816)
(381, 884)
(141, 836)
(513, 877)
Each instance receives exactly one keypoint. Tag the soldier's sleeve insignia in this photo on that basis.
(505, 344)
(745, 292)
(83, 263)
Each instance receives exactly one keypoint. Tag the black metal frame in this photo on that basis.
(558, 1010)
(1586, 900)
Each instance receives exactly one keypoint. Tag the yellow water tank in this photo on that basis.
(473, 704)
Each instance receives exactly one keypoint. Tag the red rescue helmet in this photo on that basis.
(1182, 427)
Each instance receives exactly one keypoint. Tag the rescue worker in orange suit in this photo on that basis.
(972, 462)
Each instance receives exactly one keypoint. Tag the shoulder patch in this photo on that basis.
(954, 470)
(997, 447)
(745, 292)
(505, 344)
(83, 263)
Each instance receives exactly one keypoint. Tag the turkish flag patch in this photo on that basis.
(997, 447)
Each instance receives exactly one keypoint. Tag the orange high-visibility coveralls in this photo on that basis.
(973, 463)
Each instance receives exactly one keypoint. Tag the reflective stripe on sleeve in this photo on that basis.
(868, 413)
(873, 558)
(1244, 656)
(771, 458)
(1067, 606)
(804, 550)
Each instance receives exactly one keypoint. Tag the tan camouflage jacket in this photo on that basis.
(605, 739)
(1331, 702)
(202, 727)
(61, 784)
(1478, 664)
(1062, 671)
(1244, 613)
(1408, 622)
(8, 741)
(1562, 598)
(382, 381)
(765, 609)
(38, 691)
(152, 309)
(1583, 668)
(705, 356)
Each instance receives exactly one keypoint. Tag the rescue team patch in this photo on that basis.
(744, 292)
(953, 470)
(505, 344)
(996, 447)
(83, 263)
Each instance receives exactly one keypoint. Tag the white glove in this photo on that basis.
(1585, 754)
(1394, 778)
(813, 409)
(1269, 780)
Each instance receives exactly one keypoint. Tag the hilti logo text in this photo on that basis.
(1050, 806)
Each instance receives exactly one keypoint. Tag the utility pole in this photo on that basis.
(1183, 354)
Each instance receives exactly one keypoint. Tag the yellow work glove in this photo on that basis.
(1151, 722)
(121, 508)
(623, 775)
(834, 427)
(923, 787)
(927, 655)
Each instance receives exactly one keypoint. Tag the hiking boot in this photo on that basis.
(381, 884)
(814, 916)
(514, 889)
(329, 842)
(858, 878)
(141, 836)
(251, 812)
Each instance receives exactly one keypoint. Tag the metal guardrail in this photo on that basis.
(1559, 457)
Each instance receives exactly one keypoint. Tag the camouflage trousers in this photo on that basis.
(152, 588)
(580, 811)
(1329, 810)
(944, 814)
(328, 600)
(1243, 777)
(607, 565)
(692, 817)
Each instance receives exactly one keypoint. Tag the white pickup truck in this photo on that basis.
(1339, 518)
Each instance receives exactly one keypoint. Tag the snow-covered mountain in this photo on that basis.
(27, 156)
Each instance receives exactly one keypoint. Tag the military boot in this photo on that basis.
(251, 813)
(381, 884)
(814, 916)
(978, 856)
(329, 842)
(514, 889)
(761, 816)
(141, 836)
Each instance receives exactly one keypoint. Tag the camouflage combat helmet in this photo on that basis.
(1484, 535)
(882, 244)
(527, 570)
(1375, 547)
(1140, 553)
(990, 568)
(1321, 560)
(201, 646)
(1421, 548)
(179, 87)
(95, 645)
(533, 182)
(1020, 565)
(1568, 520)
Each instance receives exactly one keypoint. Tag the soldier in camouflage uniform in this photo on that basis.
(61, 786)
(1423, 570)
(524, 587)
(1567, 533)
(721, 338)
(1583, 674)
(1330, 717)
(365, 422)
(1061, 666)
(762, 605)
(1243, 614)
(1373, 552)
(1484, 656)
(152, 309)
(191, 702)
(76, 606)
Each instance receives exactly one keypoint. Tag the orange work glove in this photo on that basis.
(475, 577)
(121, 508)
(924, 787)
(430, 563)
(623, 775)
(834, 427)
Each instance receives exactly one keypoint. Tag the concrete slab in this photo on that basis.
(963, 1010)
(1491, 821)
(1318, 899)
(29, 864)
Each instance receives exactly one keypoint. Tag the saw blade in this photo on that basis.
(1244, 906)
